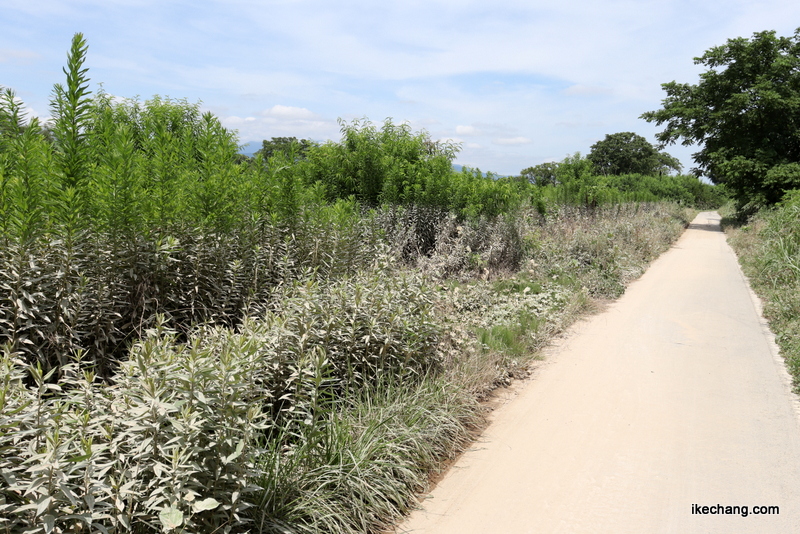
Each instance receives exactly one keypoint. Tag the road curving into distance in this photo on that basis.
(669, 412)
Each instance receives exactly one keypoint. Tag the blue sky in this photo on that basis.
(517, 83)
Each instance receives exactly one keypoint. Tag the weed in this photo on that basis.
(769, 252)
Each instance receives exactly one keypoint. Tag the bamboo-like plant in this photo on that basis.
(71, 108)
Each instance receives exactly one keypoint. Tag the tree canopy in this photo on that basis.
(287, 145)
(629, 153)
(542, 174)
(744, 114)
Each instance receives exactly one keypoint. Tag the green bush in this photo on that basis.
(572, 182)
(388, 165)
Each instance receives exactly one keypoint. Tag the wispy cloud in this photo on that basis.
(509, 141)
(467, 130)
(8, 55)
(288, 113)
(586, 90)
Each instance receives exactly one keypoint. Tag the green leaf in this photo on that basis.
(49, 523)
(171, 518)
(42, 505)
(205, 504)
(235, 454)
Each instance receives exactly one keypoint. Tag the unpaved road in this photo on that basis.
(672, 397)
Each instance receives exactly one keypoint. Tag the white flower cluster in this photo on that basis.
(482, 307)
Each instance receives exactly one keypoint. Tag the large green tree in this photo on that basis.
(744, 114)
(630, 153)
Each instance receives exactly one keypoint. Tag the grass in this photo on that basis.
(360, 469)
(768, 246)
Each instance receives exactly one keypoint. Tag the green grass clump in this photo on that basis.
(509, 338)
(361, 467)
(521, 283)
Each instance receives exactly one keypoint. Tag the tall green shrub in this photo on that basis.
(71, 108)
(391, 164)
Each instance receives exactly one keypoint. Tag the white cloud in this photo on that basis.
(467, 130)
(265, 127)
(8, 55)
(235, 122)
(288, 113)
(586, 90)
(512, 141)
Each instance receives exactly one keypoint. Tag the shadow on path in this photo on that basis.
(708, 227)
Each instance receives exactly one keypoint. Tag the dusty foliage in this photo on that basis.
(605, 248)
(177, 441)
(154, 451)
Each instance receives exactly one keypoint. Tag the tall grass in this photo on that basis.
(359, 469)
(769, 251)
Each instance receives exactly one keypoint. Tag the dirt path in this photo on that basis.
(673, 397)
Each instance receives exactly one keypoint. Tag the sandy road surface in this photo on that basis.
(670, 398)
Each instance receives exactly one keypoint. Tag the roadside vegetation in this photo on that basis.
(194, 341)
(768, 246)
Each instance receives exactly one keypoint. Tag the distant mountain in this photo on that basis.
(459, 168)
(250, 148)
